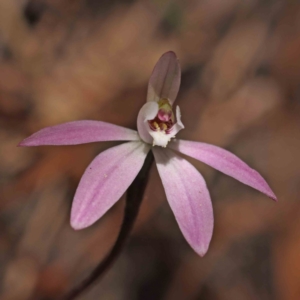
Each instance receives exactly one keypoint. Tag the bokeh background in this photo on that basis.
(64, 60)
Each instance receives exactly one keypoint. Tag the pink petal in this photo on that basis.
(224, 161)
(148, 112)
(80, 132)
(105, 180)
(165, 78)
(188, 197)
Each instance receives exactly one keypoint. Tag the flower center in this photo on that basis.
(164, 119)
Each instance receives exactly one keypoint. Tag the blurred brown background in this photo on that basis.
(63, 60)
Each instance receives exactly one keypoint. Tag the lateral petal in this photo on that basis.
(148, 112)
(80, 132)
(165, 78)
(188, 197)
(105, 180)
(225, 162)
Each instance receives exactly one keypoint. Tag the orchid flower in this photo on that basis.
(109, 175)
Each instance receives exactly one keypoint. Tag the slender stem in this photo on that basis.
(134, 198)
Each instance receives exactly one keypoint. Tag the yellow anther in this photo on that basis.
(163, 126)
(155, 125)
(165, 104)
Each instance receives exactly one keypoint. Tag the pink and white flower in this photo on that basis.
(112, 171)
